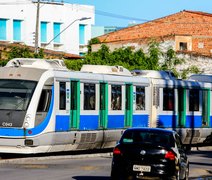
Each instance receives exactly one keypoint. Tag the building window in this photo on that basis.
(194, 100)
(89, 97)
(3, 29)
(82, 34)
(183, 46)
(57, 27)
(17, 30)
(168, 99)
(140, 98)
(116, 97)
(43, 32)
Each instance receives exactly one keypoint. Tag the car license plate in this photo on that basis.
(141, 168)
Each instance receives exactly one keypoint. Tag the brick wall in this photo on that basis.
(182, 23)
(202, 45)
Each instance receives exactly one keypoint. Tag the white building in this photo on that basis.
(62, 27)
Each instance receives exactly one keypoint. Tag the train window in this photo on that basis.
(89, 96)
(168, 99)
(140, 98)
(194, 100)
(44, 101)
(62, 96)
(116, 97)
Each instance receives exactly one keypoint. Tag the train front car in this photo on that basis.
(26, 102)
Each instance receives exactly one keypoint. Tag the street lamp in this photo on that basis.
(81, 19)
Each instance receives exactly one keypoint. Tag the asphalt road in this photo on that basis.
(84, 167)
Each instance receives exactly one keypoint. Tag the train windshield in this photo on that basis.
(15, 96)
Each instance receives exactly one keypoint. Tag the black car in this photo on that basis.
(149, 152)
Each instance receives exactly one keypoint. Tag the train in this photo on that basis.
(46, 108)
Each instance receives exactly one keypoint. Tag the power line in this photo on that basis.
(108, 14)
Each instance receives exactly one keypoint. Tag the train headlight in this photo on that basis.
(27, 120)
(26, 124)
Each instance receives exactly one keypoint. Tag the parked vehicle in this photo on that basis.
(149, 152)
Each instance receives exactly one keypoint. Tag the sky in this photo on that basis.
(139, 11)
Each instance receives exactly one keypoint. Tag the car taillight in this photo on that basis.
(116, 151)
(170, 155)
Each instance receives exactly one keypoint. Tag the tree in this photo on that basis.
(74, 64)
(154, 59)
(154, 55)
(24, 52)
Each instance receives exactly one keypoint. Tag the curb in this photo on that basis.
(30, 159)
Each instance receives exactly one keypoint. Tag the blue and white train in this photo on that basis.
(46, 108)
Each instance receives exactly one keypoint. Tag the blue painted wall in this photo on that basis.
(56, 29)
(43, 31)
(3, 29)
(17, 30)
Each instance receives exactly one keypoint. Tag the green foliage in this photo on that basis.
(154, 55)
(40, 54)
(3, 63)
(125, 57)
(190, 70)
(92, 41)
(74, 64)
(24, 52)
(131, 60)
(18, 52)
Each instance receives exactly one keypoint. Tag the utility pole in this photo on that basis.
(37, 27)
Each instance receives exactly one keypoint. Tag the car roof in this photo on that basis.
(151, 130)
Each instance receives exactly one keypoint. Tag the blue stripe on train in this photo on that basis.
(89, 122)
(210, 123)
(170, 121)
(193, 121)
(62, 123)
(167, 121)
(115, 121)
(140, 120)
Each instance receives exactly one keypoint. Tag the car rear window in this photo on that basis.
(150, 137)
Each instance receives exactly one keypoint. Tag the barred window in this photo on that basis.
(168, 99)
(89, 96)
(116, 97)
(194, 100)
(140, 98)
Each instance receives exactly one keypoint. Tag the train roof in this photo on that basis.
(37, 63)
(201, 77)
(104, 69)
(168, 75)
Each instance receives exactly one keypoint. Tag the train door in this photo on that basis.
(128, 105)
(62, 105)
(103, 105)
(74, 104)
(181, 107)
(205, 107)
